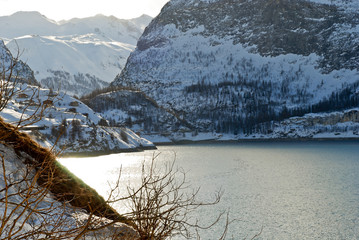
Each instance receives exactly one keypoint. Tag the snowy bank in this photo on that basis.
(39, 197)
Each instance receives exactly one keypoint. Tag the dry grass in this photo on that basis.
(65, 186)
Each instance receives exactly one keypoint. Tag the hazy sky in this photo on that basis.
(66, 9)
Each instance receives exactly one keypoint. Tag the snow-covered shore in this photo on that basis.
(73, 126)
(319, 126)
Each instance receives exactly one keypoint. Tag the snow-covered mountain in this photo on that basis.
(135, 110)
(238, 66)
(12, 68)
(74, 126)
(75, 56)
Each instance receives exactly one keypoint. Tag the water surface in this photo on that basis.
(291, 190)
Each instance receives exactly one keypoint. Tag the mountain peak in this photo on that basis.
(224, 65)
(79, 55)
(30, 16)
(142, 17)
(27, 13)
(25, 23)
(142, 21)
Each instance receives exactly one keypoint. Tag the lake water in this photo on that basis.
(290, 190)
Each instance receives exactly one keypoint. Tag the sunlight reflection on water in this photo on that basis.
(293, 190)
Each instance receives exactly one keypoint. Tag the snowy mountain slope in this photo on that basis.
(78, 127)
(119, 30)
(14, 68)
(76, 56)
(25, 23)
(133, 109)
(75, 65)
(75, 127)
(229, 66)
(142, 21)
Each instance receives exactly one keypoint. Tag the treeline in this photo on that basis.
(108, 89)
(346, 98)
(253, 107)
(234, 106)
(131, 108)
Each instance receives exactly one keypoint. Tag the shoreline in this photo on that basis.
(185, 142)
(104, 152)
(207, 141)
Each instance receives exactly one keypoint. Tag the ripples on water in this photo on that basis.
(293, 190)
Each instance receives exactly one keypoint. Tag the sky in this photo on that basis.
(67, 9)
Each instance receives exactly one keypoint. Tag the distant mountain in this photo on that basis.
(142, 21)
(75, 56)
(25, 23)
(74, 126)
(239, 67)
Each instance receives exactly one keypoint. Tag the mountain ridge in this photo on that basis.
(237, 66)
(75, 56)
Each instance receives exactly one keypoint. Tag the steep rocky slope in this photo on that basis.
(235, 66)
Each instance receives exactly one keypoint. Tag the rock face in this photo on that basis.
(274, 27)
(344, 124)
(232, 65)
